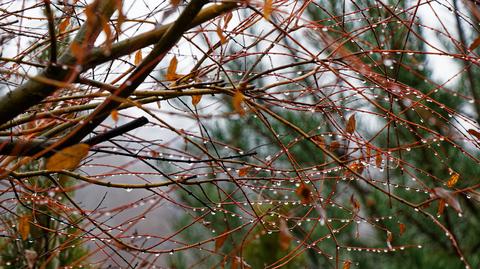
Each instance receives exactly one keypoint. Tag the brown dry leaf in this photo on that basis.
(196, 99)
(334, 145)
(355, 204)
(475, 44)
(305, 194)
(220, 34)
(346, 264)
(227, 19)
(402, 228)
(237, 102)
(441, 207)
(175, 2)
(172, 69)
(63, 25)
(474, 133)
(68, 158)
(243, 171)
(351, 124)
(378, 160)
(448, 196)
(121, 17)
(114, 115)
(219, 241)
(24, 226)
(453, 179)
(285, 237)
(77, 51)
(319, 140)
(108, 35)
(138, 57)
(267, 8)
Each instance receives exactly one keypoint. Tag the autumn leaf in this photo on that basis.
(114, 115)
(355, 204)
(238, 101)
(475, 44)
(267, 8)
(68, 158)
(305, 194)
(346, 264)
(172, 69)
(63, 25)
(441, 207)
(334, 145)
(138, 57)
(378, 160)
(196, 99)
(474, 133)
(219, 241)
(108, 35)
(227, 18)
(319, 140)
(77, 51)
(453, 179)
(220, 34)
(24, 226)
(448, 196)
(175, 2)
(243, 171)
(285, 237)
(401, 228)
(351, 124)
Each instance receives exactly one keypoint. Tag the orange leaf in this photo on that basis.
(77, 51)
(108, 34)
(334, 145)
(267, 8)
(474, 133)
(304, 192)
(237, 102)
(448, 196)
(68, 158)
(319, 140)
(63, 25)
(243, 171)
(402, 228)
(227, 18)
(222, 37)
(175, 2)
(285, 237)
(378, 160)
(172, 69)
(114, 115)
(196, 99)
(24, 226)
(219, 241)
(441, 207)
(138, 57)
(346, 264)
(351, 124)
(453, 179)
(475, 44)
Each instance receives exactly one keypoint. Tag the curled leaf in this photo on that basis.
(238, 101)
(172, 69)
(68, 158)
(138, 57)
(305, 194)
(24, 226)
(196, 99)
(448, 196)
(453, 179)
(351, 124)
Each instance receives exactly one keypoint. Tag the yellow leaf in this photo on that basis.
(114, 115)
(68, 158)
(267, 8)
(63, 25)
(453, 179)
(24, 226)
(237, 102)
(138, 57)
(351, 124)
(172, 69)
(196, 99)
